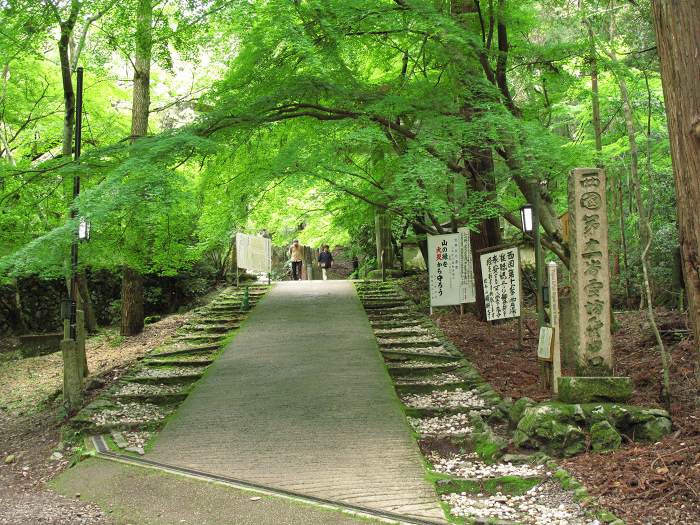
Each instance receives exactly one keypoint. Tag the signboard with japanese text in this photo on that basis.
(501, 277)
(467, 264)
(544, 345)
(254, 252)
(444, 269)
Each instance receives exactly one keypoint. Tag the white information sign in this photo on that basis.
(444, 269)
(467, 263)
(501, 276)
(254, 252)
(544, 345)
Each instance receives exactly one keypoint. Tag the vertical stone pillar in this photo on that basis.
(590, 272)
(568, 348)
(554, 321)
(72, 375)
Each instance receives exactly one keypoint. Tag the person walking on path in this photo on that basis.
(325, 260)
(296, 254)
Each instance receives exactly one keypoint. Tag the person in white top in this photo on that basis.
(296, 254)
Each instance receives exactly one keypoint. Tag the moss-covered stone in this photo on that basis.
(487, 445)
(548, 427)
(591, 389)
(516, 411)
(626, 418)
(604, 437)
(652, 430)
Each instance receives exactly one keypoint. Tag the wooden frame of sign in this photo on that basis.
(544, 345)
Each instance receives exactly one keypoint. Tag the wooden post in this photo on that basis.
(238, 281)
(383, 268)
(521, 340)
(554, 320)
(80, 342)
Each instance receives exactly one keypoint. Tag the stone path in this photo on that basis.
(127, 495)
(301, 401)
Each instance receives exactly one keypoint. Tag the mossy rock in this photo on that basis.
(591, 389)
(604, 437)
(550, 427)
(516, 411)
(487, 445)
(653, 430)
(629, 418)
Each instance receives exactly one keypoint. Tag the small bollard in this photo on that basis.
(245, 303)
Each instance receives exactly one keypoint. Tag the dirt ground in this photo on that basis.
(32, 449)
(655, 483)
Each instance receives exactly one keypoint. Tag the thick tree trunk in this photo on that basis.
(142, 70)
(677, 27)
(489, 233)
(132, 302)
(132, 282)
(385, 248)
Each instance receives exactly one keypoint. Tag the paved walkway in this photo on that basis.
(301, 401)
(140, 496)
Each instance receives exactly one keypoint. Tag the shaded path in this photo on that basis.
(301, 401)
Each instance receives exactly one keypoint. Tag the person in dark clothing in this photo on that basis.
(325, 260)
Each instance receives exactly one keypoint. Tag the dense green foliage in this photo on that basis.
(302, 118)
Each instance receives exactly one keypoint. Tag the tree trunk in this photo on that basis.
(488, 235)
(67, 80)
(677, 27)
(4, 143)
(132, 302)
(385, 249)
(132, 281)
(644, 228)
(142, 70)
(86, 304)
(489, 229)
(595, 98)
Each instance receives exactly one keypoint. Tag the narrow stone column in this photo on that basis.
(72, 375)
(590, 273)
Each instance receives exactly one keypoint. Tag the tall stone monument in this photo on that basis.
(590, 272)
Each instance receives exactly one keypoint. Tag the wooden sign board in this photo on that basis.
(544, 346)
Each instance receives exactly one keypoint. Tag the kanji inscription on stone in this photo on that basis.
(590, 274)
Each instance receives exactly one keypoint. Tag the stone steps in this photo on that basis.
(164, 376)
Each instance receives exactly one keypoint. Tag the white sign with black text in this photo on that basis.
(444, 269)
(501, 277)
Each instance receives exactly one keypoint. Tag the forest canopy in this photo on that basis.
(308, 118)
